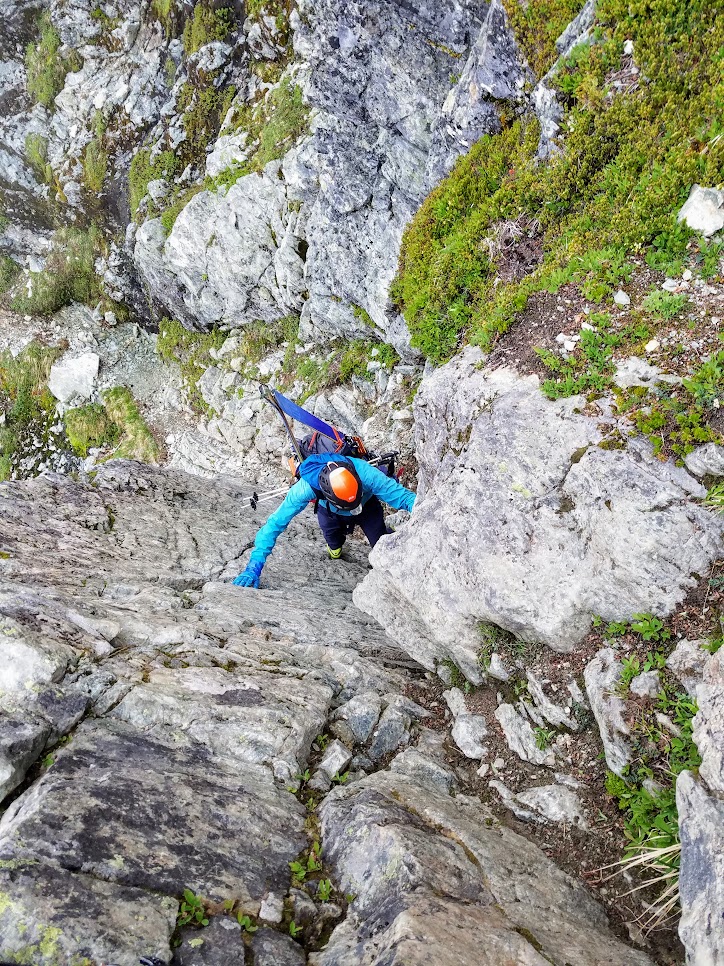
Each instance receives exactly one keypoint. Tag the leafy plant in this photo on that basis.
(630, 668)
(338, 779)
(715, 497)
(543, 738)
(664, 305)
(650, 628)
(192, 911)
(295, 930)
(324, 890)
(246, 923)
(707, 383)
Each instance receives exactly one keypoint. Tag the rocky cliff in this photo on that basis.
(485, 235)
(193, 727)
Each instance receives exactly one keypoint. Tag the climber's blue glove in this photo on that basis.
(250, 577)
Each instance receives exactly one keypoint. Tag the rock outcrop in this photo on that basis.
(176, 716)
(319, 233)
(531, 521)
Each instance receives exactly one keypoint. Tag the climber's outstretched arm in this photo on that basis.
(295, 501)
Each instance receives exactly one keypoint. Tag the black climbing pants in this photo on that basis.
(335, 527)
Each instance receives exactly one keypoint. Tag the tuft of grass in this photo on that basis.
(189, 350)
(135, 440)
(143, 170)
(69, 274)
(651, 821)
(629, 160)
(36, 151)
(46, 67)
(89, 427)
(25, 402)
(715, 497)
(207, 25)
(95, 165)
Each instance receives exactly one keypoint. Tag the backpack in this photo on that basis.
(316, 444)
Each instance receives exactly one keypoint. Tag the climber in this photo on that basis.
(346, 492)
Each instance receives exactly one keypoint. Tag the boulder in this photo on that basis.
(435, 878)
(706, 460)
(525, 522)
(21, 743)
(74, 377)
(703, 210)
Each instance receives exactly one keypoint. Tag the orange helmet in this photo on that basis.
(341, 485)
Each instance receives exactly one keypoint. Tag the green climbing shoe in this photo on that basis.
(334, 554)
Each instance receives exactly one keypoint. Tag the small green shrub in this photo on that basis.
(69, 275)
(287, 121)
(25, 401)
(36, 151)
(207, 25)
(95, 165)
(46, 67)
(664, 305)
(707, 383)
(628, 164)
(192, 911)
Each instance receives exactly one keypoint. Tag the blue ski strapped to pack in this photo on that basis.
(308, 419)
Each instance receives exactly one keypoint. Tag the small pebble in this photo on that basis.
(652, 346)
(621, 298)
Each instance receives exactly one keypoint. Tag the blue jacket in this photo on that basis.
(374, 483)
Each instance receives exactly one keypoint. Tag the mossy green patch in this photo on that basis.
(88, 427)
(135, 440)
(206, 25)
(143, 170)
(537, 25)
(628, 162)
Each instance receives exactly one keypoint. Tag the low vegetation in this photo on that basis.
(89, 427)
(25, 402)
(46, 67)
(206, 25)
(135, 440)
(630, 158)
(69, 274)
(537, 26)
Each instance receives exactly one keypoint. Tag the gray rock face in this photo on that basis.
(321, 233)
(205, 706)
(494, 72)
(526, 523)
(20, 745)
(429, 873)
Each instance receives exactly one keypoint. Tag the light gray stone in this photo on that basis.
(520, 737)
(335, 759)
(646, 685)
(551, 712)
(391, 733)
(706, 460)
(469, 730)
(703, 210)
(634, 371)
(271, 948)
(687, 662)
(74, 377)
(555, 804)
(424, 769)
(701, 876)
(602, 677)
